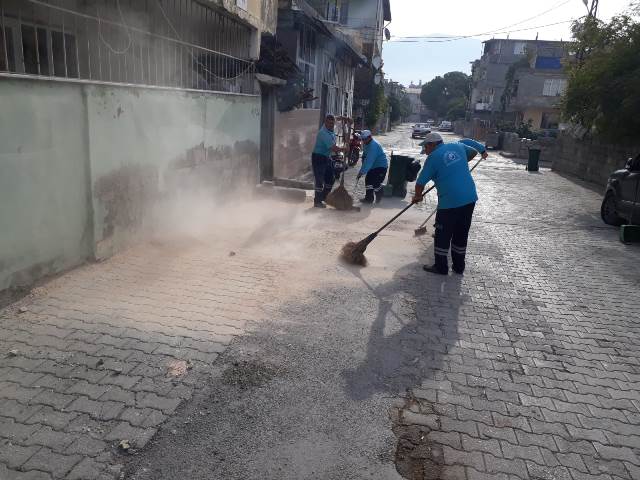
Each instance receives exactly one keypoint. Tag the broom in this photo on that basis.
(353, 252)
(340, 198)
(422, 229)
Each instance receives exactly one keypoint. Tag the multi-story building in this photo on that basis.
(364, 22)
(496, 69)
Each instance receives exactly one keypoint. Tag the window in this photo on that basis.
(520, 48)
(307, 59)
(554, 87)
(7, 51)
(38, 50)
(516, 85)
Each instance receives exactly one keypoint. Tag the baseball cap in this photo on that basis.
(364, 134)
(432, 138)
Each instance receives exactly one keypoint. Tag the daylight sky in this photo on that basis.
(424, 59)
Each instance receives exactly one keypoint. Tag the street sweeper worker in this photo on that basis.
(470, 143)
(321, 159)
(374, 167)
(447, 165)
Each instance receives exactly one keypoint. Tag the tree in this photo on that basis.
(603, 92)
(400, 106)
(447, 95)
(377, 106)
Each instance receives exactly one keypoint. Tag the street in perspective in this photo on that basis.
(319, 239)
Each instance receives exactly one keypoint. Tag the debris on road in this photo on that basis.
(177, 368)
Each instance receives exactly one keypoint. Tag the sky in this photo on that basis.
(411, 59)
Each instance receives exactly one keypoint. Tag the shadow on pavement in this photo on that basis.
(403, 359)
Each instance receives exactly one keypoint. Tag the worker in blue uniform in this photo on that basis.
(447, 165)
(321, 163)
(374, 168)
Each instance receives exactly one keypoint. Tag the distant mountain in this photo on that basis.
(407, 62)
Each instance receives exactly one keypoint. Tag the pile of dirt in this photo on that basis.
(250, 374)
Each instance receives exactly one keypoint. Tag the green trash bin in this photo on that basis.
(398, 175)
(534, 160)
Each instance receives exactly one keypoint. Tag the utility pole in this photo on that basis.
(593, 14)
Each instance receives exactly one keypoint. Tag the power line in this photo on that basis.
(499, 30)
(453, 39)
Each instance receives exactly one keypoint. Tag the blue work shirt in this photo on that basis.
(448, 167)
(473, 144)
(373, 156)
(325, 140)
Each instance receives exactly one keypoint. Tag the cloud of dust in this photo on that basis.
(241, 222)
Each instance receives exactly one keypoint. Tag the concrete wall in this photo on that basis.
(590, 159)
(45, 224)
(85, 168)
(295, 137)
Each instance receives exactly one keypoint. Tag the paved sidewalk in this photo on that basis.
(106, 352)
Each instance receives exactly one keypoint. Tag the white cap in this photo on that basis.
(364, 134)
(434, 137)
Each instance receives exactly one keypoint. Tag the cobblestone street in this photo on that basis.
(528, 367)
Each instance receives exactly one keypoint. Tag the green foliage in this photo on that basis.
(400, 106)
(510, 80)
(603, 92)
(377, 106)
(447, 95)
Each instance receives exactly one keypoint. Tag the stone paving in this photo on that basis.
(107, 352)
(528, 367)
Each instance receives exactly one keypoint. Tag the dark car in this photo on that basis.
(620, 204)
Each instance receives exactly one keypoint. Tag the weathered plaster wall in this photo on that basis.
(295, 137)
(162, 143)
(86, 169)
(44, 196)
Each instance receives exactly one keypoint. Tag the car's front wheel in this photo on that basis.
(609, 212)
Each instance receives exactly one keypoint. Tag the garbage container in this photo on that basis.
(534, 159)
(398, 175)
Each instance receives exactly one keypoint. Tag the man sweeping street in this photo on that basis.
(374, 167)
(447, 166)
(321, 160)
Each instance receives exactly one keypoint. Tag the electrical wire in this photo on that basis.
(500, 30)
(113, 50)
(251, 64)
(426, 39)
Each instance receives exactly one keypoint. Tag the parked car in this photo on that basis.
(620, 204)
(445, 126)
(431, 123)
(420, 130)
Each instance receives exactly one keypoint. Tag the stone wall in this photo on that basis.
(590, 159)
(87, 169)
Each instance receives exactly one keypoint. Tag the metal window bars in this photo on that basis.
(163, 43)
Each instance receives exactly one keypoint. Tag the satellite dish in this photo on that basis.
(376, 62)
(377, 78)
(387, 34)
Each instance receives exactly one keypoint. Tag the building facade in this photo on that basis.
(504, 60)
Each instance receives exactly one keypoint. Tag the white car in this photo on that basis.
(420, 130)
(445, 126)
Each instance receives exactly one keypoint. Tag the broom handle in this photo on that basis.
(429, 217)
(348, 154)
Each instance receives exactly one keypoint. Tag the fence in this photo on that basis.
(166, 43)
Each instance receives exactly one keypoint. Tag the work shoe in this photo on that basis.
(319, 205)
(366, 200)
(459, 272)
(433, 269)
